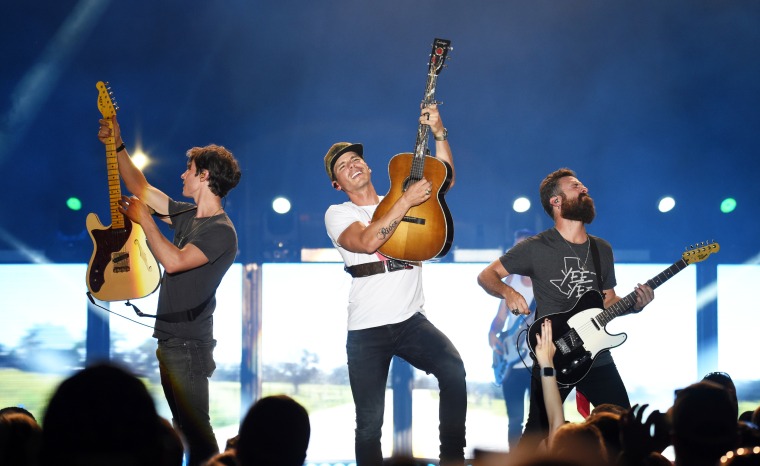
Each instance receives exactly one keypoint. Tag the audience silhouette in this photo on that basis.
(104, 415)
(20, 436)
(275, 432)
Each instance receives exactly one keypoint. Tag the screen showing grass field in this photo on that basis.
(303, 335)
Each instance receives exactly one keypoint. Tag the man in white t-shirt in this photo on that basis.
(386, 317)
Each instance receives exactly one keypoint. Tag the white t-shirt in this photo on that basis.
(381, 299)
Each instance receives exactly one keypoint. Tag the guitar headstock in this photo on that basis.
(106, 106)
(438, 55)
(699, 252)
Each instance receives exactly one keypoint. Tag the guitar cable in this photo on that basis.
(517, 347)
(137, 311)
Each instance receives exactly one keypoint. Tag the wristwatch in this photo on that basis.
(548, 372)
(443, 137)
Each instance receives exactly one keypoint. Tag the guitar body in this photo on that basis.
(578, 336)
(121, 267)
(512, 353)
(427, 230)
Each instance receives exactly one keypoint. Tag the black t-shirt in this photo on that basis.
(196, 288)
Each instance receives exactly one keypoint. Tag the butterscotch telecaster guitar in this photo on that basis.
(122, 267)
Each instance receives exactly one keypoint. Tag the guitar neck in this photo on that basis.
(625, 303)
(423, 131)
(437, 58)
(114, 182)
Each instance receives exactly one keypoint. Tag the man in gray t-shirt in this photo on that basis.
(203, 248)
(560, 263)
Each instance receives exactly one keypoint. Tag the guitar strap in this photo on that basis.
(176, 317)
(597, 264)
(582, 403)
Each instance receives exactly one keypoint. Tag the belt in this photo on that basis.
(374, 268)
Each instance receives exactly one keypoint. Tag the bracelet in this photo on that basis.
(443, 137)
(121, 147)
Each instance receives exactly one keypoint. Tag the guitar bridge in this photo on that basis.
(417, 220)
(120, 261)
(568, 342)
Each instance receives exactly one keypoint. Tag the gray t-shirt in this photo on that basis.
(561, 271)
(195, 290)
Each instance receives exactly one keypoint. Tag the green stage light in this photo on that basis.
(728, 205)
(74, 203)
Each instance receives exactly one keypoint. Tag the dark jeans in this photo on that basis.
(602, 384)
(514, 389)
(425, 347)
(185, 367)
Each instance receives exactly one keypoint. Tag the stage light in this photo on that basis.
(281, 205)
(666, 204)
(728, 205)
(74, 203)
(521, 204)
(140, 159)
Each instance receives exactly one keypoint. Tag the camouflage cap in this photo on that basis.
(338, 149)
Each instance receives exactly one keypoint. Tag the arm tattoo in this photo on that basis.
(385, 232)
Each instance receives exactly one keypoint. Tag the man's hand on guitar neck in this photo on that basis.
(110, 128)
(431, 116)
(644, 296)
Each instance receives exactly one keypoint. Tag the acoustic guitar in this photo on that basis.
(121, 267)
(427, 230)
(580, 335)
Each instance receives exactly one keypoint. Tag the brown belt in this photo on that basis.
(374, 268)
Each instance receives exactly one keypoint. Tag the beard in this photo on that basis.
(581, 208)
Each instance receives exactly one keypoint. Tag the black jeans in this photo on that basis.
(185, 367)
(602, 384)
(425, 347)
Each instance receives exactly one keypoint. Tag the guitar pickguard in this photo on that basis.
(121, 266)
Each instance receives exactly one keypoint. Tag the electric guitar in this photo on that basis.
(122, 267)
(580, 335)
(513, 350)
(427, 230)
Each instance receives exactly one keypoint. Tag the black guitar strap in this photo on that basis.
(175, 317)
(597, 264)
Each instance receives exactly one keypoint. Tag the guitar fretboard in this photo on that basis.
(114, 186)
(627, 302)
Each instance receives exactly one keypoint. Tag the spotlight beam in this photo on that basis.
(36, 85)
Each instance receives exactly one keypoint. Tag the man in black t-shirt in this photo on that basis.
(560, 263)
(203, 249)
